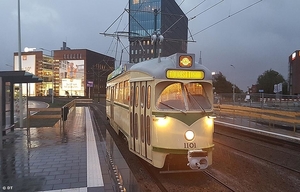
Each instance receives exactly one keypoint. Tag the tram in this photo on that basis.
(164, 108)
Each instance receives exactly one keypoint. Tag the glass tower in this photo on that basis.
(149, 18)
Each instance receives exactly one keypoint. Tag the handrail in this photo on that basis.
(71, 105)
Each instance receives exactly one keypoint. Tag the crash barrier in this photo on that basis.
(269, 116)
(60, 113)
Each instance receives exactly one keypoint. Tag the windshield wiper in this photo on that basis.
(191, 96)
(172, 107)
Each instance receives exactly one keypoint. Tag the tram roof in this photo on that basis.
(157, 67)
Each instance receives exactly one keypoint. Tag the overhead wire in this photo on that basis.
(195, 7)
(235, 13)
(182, 2)
(206, 10)
(110, 48)
(189, 31)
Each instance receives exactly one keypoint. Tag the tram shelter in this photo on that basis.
(7, 81)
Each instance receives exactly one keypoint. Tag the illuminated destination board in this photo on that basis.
(184, 74)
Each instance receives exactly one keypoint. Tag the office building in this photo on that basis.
(150, 19)
(66, 72)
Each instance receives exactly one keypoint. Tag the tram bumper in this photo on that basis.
(197, 159)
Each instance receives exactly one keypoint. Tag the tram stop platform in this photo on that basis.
(56, 159)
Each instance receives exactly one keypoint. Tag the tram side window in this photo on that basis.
(171, 98)
(126, 93)
(136, 96)
(121, 85)
(131, 96)
(142, 96)
(148, 97)
(108, 93)
(116, 92)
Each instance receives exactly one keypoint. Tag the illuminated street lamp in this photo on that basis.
(233, 88)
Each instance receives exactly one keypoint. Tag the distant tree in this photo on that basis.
(222, 85)
(268, 79)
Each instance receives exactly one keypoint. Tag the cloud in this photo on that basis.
(38, 14)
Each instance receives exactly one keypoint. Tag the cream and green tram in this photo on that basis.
(164, 107)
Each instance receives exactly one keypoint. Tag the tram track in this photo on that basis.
(231, 170)
(218, 180)
(148, 176)
(264, 147)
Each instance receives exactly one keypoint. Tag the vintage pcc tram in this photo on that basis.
(164, 108)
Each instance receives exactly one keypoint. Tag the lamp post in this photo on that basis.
(233, 90)
(20, 66)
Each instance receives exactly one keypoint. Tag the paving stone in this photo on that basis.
(54, 181)
(62, 186)
(45, 162)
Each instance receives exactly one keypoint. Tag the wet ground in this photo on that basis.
(52, 158)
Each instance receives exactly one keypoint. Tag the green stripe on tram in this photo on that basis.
(188, 118)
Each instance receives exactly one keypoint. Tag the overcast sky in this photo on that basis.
(242, 46)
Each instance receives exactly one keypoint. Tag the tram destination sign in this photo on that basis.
(184, 74)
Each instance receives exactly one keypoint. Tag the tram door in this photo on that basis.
(140, 118)
(145, 115)
(134, 116)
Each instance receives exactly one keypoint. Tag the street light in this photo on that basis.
(20, 66)
(233, 88)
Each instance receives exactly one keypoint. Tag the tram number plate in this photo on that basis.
(189, 145)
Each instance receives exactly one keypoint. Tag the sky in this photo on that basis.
(239, 38)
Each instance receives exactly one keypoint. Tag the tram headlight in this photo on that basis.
(161, 121)
(189, 135)
(209, 121)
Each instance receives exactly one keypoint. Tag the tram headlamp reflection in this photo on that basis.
(189, 135)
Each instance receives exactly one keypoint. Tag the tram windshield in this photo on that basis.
(184, 97)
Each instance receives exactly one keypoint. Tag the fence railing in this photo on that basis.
(58, 112)
(260, 100)
(269, 116)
